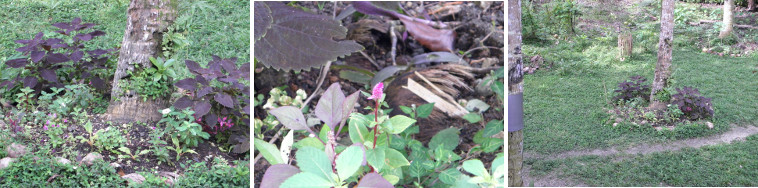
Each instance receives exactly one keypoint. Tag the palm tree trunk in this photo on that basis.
(146, 22)
(728, 18)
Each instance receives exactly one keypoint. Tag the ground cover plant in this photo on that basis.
(362, 128)
(587, 112)
(58, 60)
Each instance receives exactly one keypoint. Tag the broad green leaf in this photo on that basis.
(436, 57)
(349, 161)
(417, 169)
(445, 155)
(498, 167)
(395, 159)
(492, 144)
(307, 179)
(399, 123)
(375, 157)
(406, 110)
(425, 110)
(463, 182)
(355, 76)
(374, 180)
(309, 142)
(448, 138)
(314, 161)
(472, 117)
(276, 174)
(324, 132)
(288, 38)
(291, 117)
(269, 151)
(493, 127)
(125, 150)
(143, 152)
(475, 167)
(499, 89)
(357, 128)
(450, 175)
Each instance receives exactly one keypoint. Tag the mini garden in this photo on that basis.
(57, 65)
(337, 107)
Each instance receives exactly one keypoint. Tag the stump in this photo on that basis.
(625, 45)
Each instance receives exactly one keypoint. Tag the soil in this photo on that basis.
(479, 30)
(137, 139)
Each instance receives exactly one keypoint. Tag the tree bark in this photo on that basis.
(728, 18)
(663, 67)
(750, 5)
(625, 45)
(146, 22)
(515, 87)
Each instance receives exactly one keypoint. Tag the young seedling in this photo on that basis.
(130, 155)
(92, 137)
(178, 148)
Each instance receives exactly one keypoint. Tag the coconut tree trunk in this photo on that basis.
(515, 91)
(728, 18)
(663, 67)
(146, 22)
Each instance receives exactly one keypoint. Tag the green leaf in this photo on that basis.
(385, 73)
(406, 110)
(291, 117)
(499, 89)
(355, 76)
(493, 127)
(125, 150)
(416, 169)
(314, 161)
(498, 167)
(473, 117)
(307, 179)
(375, 157)
(475, 167)
(492, 144)
(269, 152)
(309, 142)
(425, 110)
(450, 175)
(448, 138)
(445, 155)
(144, 152)
(349, 161)
(477, 105)
(357, 128)
(395, 159)
(399, 123)
(324, 132)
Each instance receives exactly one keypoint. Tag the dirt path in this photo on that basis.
(551, 179)
(736, 133)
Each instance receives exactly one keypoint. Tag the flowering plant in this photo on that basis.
(54, 127)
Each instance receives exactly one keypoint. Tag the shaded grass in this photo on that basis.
(720, 165)
(565, 108)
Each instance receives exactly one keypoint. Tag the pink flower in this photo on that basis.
(689, 109)
(377, 92)
(65, 120)
(48, 122)
(153, 127)
(45, 127)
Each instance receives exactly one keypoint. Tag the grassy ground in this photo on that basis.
(566, 106)
(216, 27)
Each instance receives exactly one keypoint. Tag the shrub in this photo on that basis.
(46, 172)
(632, 88)
(70, 63)
(218, 175)
(692, 104)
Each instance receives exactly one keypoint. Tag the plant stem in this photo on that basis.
(376, 114)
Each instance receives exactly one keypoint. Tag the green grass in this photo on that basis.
(714, 166)
(223, 29)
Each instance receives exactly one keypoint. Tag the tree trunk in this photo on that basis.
(728, 18)
(515, 87)
(625, 45)
(146, 22)
(663, 67)
(750, 5)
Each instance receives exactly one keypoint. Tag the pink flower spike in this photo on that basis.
(45, 127)
(48, 122)
(377, 92)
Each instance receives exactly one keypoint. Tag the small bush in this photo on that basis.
(46, 172)
(692, 104)
(219, 175)
(632, 88)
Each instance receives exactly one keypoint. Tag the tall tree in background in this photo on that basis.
(146, 22)
(663, 67)
(515, 88)
(726, 28)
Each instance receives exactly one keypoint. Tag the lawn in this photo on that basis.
(566, 101)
